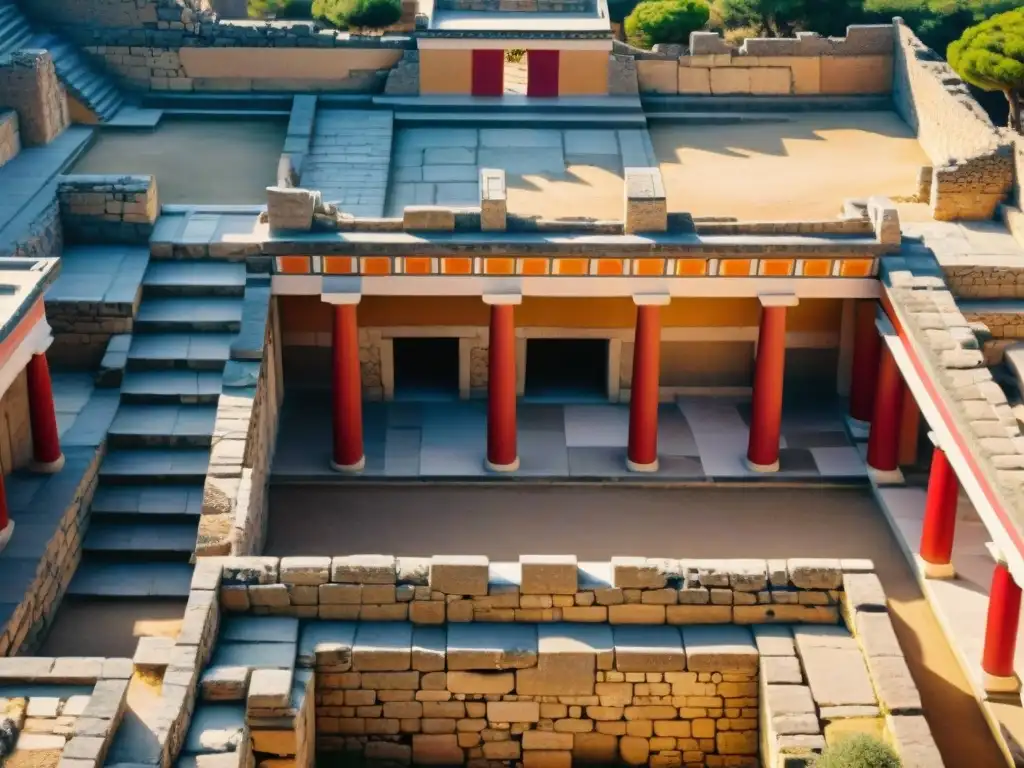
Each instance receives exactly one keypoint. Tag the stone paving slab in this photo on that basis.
(100, 274)
(699, 440)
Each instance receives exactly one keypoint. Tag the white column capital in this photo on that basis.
(996, 553)
(934, 438)
(652, 299)
(778, 299)
(502, 299)
(343, 299)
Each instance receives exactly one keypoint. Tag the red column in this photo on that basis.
(867, 345)
(939, 518)
(642, 455)
(502, 453)
(346, 392)
(884, 438)
(6, 524)
(45, 438)
(1001, 632)
(766, 414)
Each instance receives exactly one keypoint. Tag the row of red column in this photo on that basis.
(46, 453)
(877, 394)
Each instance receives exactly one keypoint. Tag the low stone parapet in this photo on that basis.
(108, 209)
(10, 136)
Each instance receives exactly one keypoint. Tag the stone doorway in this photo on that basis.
(426, 368)
(516, 72)
(567, 369)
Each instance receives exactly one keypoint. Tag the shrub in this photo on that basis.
(665, 21)
(858, 751)
(279, 9)
(515, 55)
(358, 13)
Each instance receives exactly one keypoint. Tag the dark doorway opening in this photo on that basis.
(426, 369)
(570, 369)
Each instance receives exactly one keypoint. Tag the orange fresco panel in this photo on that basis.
(609, 267)
(856, 267)
(457, 266)
(817, 267)
(648, 266)
(417, 265)
(533, 266)
(338, 265)
(499, 266)
(734, 267)
(691, 267)
(571, 266)
(776, 267)
(293, 265)
(376, 265)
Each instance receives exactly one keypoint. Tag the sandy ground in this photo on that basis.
(802, 169)
(203, 162)
(110, 627)
(598, 522)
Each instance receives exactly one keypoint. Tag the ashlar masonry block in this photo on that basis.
(548, 574)
(29, 86)
(383, 647)
(568, 657)
(269, 689)
(491, 646)
(646, 203)
(722, 648)
(493, 200)
(648, 649)
(465, 575)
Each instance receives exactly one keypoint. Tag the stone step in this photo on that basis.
(190, 313)
(142, 538)
(170, 386)
(577, 105)
(95, 578)
(194, 351)
(185, 278)
(94, 89)
(156, 501)
(155, 466)
(683, 103)
(162, 426)
(262, 102)
(717, 118)
(522, 119)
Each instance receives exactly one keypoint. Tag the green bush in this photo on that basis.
(858, 751)
(665, 21)
(358, 13)
(279, 9)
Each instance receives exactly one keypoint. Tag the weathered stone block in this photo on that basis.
(364, 569)
(428, 218)
(548, 574)
(648, 649)
(646, 209)
(493, 200)
(719, 649)
(269, 689)
(382, 646)
(305, 570)
(513, 711)
(291, 209)
(459, 575)
(491, 646)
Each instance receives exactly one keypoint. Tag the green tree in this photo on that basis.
(358, 13)
(858, 751)
(665, 21)
(990, 55)
(279, 9)
(782, 18)
(937, 22)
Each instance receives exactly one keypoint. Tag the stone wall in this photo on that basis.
(83, 329)
(15, 427)
(108, 209)
(807, 65)
(27, 625)
(29, 86)
(10, 136)
(973, 160)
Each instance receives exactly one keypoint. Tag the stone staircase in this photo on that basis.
(145, 513)
(91, 87)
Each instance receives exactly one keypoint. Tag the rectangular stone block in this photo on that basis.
(436, 749)
(863, 592)
(428, 218)
(835, 669)
(648, 649)
(382, 647)
(481, 683)
(913, 740)
(291, 209)
(269, 689)
(896, 689)
(493, 200)
(465, 575)
(429, 646)
(364, 569)
(773, 640)
(568, 657)
(305, 570)
(491, 646)
(815, 573)
(719, 649)
(548, 574)
(876, 635)
(327, 643)
(513, 711)
(646, 211)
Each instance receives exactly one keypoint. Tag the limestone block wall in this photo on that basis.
(973, 160)
(15, 428)
(859, 64)
(29, 86)
(42, 239)
(10, 136)
(28, 622)
(108, 209)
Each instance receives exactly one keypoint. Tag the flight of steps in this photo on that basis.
(145, 513)
(92, 88)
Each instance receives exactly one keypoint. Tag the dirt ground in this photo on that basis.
(802, 169)
(596, 523)
(110, 627)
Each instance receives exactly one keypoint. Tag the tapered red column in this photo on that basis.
(502, 451)
(45, 438)
(939, 518)
(884, 438)
(769, 369)
(1001, 632)
(642, 454)
(346, 393)
(867, 346)
(6, 524)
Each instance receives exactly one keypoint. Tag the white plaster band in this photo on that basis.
(778, 299)
(506, 44)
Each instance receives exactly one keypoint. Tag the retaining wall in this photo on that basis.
(108, 209)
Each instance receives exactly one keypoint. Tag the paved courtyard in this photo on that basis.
(799, 169)
(550, 172)
(596, 523)
(699, 440)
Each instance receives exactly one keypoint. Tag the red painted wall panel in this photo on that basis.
(488, 73)
(542, 73)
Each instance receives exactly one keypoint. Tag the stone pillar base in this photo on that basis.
(882, 477)
(48, 467)
(761, 468)
(5, 534)
(350, 468)
(632, 466)
(501, 467)
(859, 430)
(1001, 686)
(935, 570)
